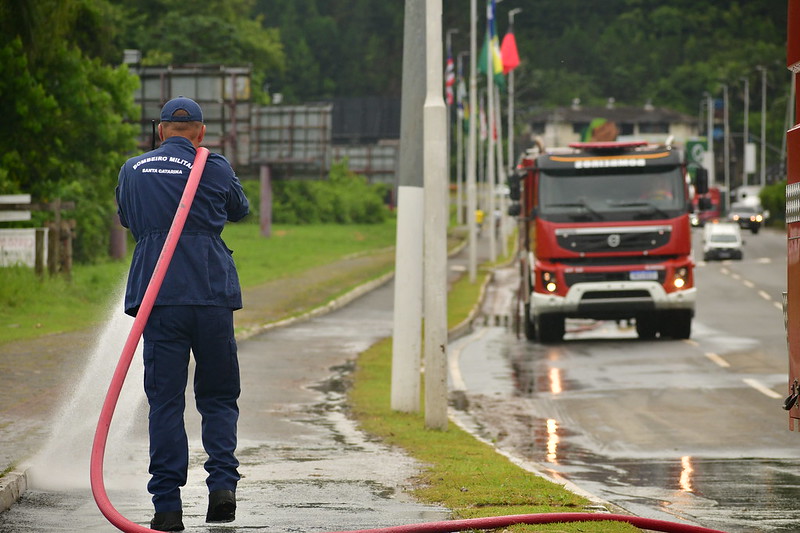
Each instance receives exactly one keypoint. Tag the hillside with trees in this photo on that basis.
(66, 99)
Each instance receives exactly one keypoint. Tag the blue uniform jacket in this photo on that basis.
(202, 271)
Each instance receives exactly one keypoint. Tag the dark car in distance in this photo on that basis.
(747, 216)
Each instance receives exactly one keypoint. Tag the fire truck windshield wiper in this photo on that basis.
(579, 203)
(642, 203)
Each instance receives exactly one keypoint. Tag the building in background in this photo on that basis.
(564, 125)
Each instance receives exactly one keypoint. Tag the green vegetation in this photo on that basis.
(343, 198)
(773, 199)
(293, 249)
(30, 307)
(67, 102)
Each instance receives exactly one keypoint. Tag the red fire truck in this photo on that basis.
(791, 303)
(605, 235)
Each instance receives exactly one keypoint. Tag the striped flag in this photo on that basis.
(449, 78)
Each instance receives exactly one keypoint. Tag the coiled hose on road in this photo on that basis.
(112, 396)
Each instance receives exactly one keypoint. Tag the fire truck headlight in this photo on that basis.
(681, 278)
(549, 281)
(759, 218)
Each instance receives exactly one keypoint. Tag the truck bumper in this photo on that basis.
(612, 300)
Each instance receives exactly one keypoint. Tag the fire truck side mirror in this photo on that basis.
(514, 188)
(704, 204)
(514, 210)
(701, 180)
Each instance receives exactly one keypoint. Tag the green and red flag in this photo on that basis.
(491, 47)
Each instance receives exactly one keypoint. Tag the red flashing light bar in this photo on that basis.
(607, 145)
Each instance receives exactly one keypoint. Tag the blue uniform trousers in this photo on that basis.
(170, 333)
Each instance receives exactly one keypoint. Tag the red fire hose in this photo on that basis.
(101, 434)
(110, 403)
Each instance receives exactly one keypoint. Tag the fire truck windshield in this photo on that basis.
(613, 194)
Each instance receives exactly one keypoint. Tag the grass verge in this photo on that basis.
(462, 474)
(31, 307)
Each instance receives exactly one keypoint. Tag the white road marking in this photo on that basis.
(718, 359)
(760, 387)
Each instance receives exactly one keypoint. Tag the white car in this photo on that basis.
(722, 240)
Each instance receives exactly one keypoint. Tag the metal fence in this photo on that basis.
(298, 141)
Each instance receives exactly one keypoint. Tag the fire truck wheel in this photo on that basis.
(646, 327)
(677, 324)
(550, 328)
(530, 329)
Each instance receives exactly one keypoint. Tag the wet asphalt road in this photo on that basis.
(675, 430)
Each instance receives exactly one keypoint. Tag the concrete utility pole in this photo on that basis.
(472, 196)
(407, 336)
(436, 200)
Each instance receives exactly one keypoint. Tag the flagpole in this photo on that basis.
(472, 204)
(460, 139)
(490, 157)
(449, 80)
(501, 178)
(511, 160)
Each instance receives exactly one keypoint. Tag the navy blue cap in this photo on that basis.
(195, 114)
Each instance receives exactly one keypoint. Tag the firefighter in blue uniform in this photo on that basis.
(193, 310)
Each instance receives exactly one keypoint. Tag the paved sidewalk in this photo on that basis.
(305, 465)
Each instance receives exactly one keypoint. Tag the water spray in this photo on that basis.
(101, 434)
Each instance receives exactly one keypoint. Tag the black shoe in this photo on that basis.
(168, 521)
(221, 506)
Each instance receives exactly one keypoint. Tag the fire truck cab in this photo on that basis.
(605, 234)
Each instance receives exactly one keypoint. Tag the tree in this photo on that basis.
(166, 32)
(64, 131)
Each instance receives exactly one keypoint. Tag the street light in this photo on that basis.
(763, 124)
(710, 163)
(746, 130)
(726, 147)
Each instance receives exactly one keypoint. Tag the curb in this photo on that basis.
(341, 301)
(337, 303)
(12, 485)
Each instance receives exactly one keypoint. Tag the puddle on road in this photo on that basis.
(733, 494)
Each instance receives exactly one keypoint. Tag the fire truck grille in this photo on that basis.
(613, 241)
(591, 277)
